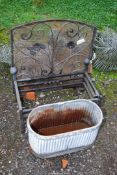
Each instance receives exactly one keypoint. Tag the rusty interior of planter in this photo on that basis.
(52, 122)
(49, 63)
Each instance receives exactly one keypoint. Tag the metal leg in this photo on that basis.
(22, 122)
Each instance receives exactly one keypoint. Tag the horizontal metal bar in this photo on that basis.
(51, 76)
(49, 82)
(96, 100)
(54, 20)
(59, 87)
(26, 111)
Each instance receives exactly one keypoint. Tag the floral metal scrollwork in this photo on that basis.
(51, 48)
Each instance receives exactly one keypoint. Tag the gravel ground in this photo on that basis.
(16, 157)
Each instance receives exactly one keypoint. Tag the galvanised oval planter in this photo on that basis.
(61, 143)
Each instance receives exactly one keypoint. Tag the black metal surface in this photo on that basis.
(52, 56)
(58, 85)
(51, 47)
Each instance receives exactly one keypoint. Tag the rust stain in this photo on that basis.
(53, 130)
(90, 69)
(52, 122)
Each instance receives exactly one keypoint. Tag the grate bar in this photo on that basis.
(93, 87)
(58, 87)
(49, 82)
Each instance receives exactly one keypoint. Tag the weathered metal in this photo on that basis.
(51, 55)
(45, 146)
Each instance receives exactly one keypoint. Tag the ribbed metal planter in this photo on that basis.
(50, 146)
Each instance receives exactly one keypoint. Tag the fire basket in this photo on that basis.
(49, 63)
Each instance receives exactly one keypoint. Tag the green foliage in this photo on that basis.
(4, 37)
(100, 13)
(100, 75)
(38, 3)
(106, 83)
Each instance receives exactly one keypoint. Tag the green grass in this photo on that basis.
(106, 75)
(100, 13)
(110, 80)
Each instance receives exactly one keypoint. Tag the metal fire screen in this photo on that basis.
(51, 57)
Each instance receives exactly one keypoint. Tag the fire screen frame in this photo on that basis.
(41, 59)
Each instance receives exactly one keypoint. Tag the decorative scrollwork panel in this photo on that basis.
(51, 47)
